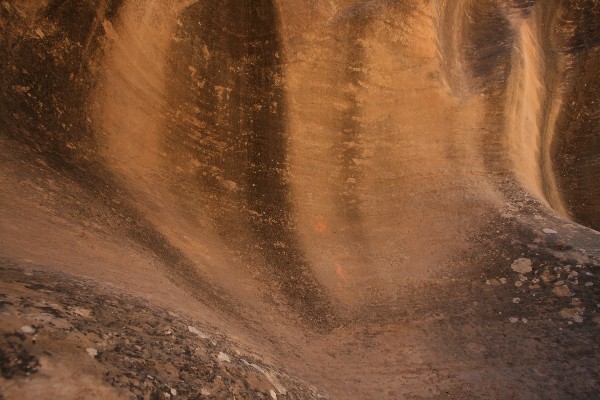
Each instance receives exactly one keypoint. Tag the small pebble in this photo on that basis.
(561, 291)
(546, 277)
(92, 352)
(513, 320)
(589, 284)
(516, 300)
(549, 231)
(27, 329)
(522, 266)
(518, 283)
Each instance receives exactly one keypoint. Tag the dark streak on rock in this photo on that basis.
(576, 149)
(229, 102)
(45, 85)
(349, 148)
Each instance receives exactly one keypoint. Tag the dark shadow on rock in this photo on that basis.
(228, 119)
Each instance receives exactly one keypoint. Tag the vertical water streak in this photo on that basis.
(533, 104)
(524, 103)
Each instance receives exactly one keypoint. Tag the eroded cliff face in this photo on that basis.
(318, 174)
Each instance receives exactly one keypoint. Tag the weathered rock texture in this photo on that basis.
(337, 187)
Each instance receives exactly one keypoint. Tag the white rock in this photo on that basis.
(275, 382)
(516, 300)
(223, 357)
(197, 332)
(174, 392)
(204, 392)
(513, 320)
(27, 329)
(270, 377)
(273, 394)
(92, 352)
(522, 266)
(589, 284)
(502, 281)
(549, 231)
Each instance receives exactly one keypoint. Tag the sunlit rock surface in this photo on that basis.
(300, 199)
